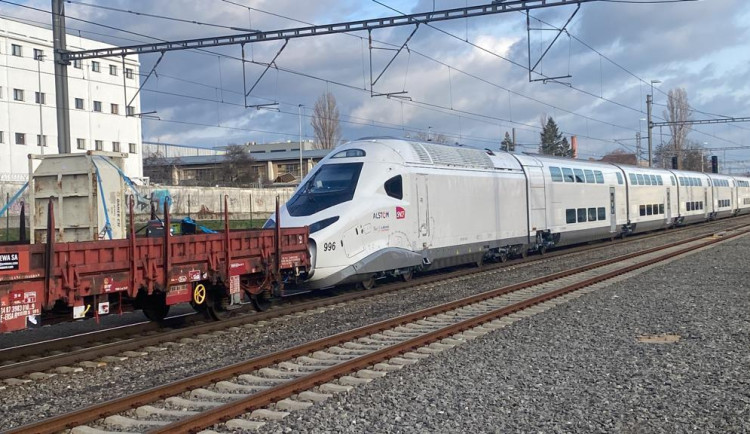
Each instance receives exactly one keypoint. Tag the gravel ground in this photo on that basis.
(40, 399)
(580, 367)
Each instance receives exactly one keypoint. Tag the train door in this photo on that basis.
(669, 206)
(612, 214)
(423, 207)
(537, 198)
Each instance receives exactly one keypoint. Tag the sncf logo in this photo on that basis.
(400, 213)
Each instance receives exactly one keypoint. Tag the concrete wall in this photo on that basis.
(201, 203)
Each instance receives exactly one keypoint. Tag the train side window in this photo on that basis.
(633, 179)
(568, 175)
(701, 205)
(647, 179)
(599, 176)
(556, 174)
(688, 207)
(570, 215)
(619, 177)
(700, 182)
(643, 209)
(602, 212)
(640, 179)
(394, 187)
(656, 208)
(592, 214)
(581, 215)
(649, 210)
(653, 180)
(672, 178)
(682, 181)
(589, 176)
(661, 208)
(579, 175)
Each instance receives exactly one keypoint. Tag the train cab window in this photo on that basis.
(579, 175)
(570, 215)
(592, 214)
(661, 208)
(330, 185)
(619, 177)
(602, 213)
(394, 187)
(350, 153)
(589, 176)
(659, 180)
(647, 179)
(642, 209)
(640, 179)
(556, 174)
(568, 175)
(599, 176)
(633, 179)
(581, 215)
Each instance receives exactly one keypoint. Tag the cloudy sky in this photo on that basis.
(465, 79)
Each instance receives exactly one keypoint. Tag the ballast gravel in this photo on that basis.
(64, 393)
(590, 365)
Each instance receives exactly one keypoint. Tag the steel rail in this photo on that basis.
(131, 339)
(82, 416)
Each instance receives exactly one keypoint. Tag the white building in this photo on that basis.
(98, 104)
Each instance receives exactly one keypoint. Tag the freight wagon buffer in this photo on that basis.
(216, 273)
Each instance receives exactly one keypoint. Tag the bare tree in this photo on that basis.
(236, 166)
(678, 111)
(159, 168)
(325, 122)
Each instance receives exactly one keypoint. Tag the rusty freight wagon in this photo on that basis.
(216, 273)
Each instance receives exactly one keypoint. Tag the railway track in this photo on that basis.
(61, 355)
(237, 396)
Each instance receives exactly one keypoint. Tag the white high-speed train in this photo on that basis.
(388, 207)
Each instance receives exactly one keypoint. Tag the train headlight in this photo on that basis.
(315, 227)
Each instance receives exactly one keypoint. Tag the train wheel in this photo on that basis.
(200, 298)
(369, 283)
(479, 262)
(543, 250)
(155, 307)
(218, 304)
(407, 276)
(261, 302)
(503, 257)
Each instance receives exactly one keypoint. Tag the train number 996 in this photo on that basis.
(327, 247)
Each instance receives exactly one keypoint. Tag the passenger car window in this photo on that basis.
(589, 176)
(568, 175)
(394, 187)
(619, 177)
(592, 214)
(579, 175)
(672, 178)
(602, 213)
(642, 209)
(659, 180)
(581, 215)
(647, 179)
(599, 177)
(556, 174)
(570, 215)
(633, 179)
(653, 180)
(640, 179)
(661, 208)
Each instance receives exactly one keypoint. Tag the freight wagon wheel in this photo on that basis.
(261, 302)
(155, 307)
(543, 250)
(368, 283)
(503, 257)
(217, 304)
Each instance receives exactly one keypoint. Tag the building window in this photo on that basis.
(20, 139)
(79, 103)
(41, 140)
(77, 63)
(116, 146)
(98, 145)
(129, 73)
(95, 66)
(40, 98)
(38, 54)
(131, 147)
(18, 94)
(115, 108)
(130, 110)
(112, 69)
(16, 50)
(97, 106)
(81, 143)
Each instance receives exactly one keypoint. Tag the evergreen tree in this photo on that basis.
(507, 144)
(552, 141)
